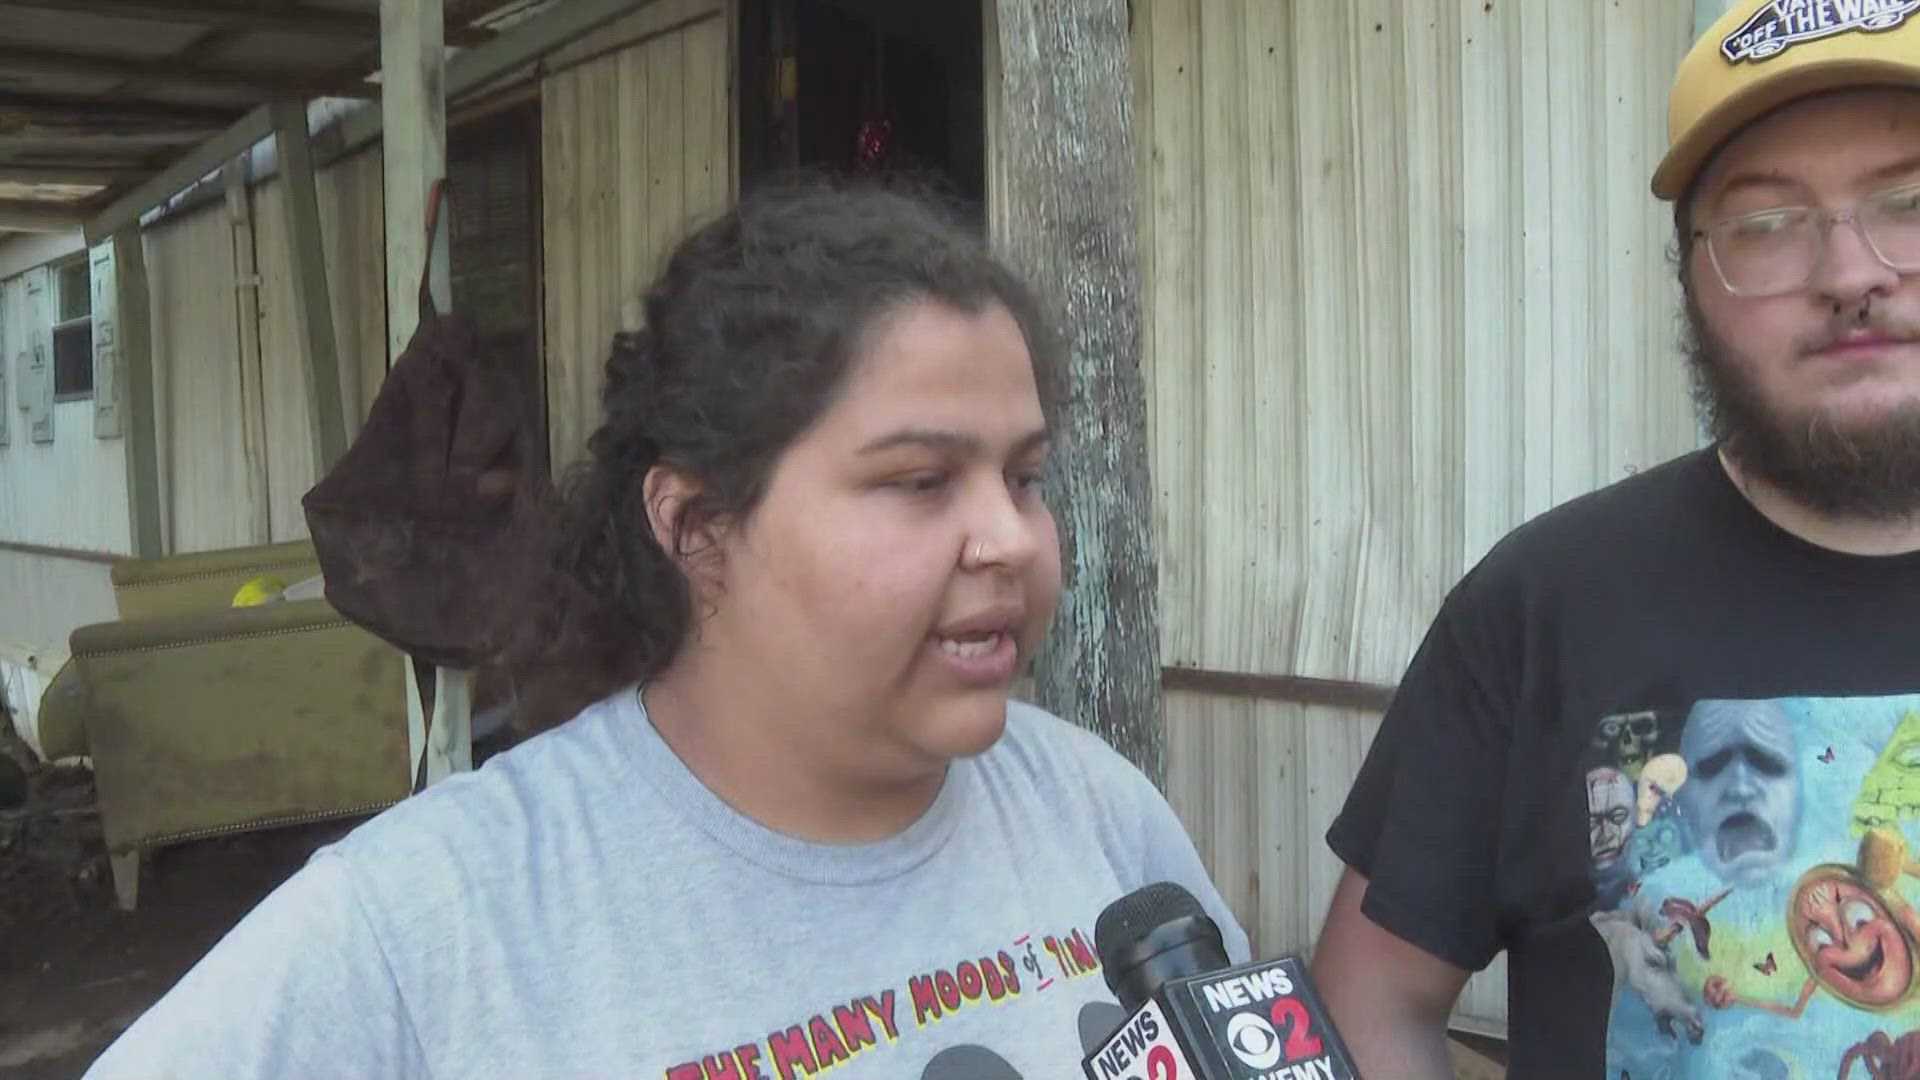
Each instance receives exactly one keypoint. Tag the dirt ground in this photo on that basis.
(74, 969)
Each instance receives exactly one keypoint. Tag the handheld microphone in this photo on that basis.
(1194, 1017)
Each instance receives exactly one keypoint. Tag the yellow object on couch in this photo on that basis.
(263, 589)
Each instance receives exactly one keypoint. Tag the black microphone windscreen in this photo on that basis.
(1191, 1013)
(1155, 933)
(1131, 917)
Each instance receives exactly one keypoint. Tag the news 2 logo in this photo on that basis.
(1253, 1041)
(1779, 26)
(1143, 1049)
(1261, 1019)
(1248, 989)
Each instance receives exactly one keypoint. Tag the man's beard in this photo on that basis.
(1866, 471)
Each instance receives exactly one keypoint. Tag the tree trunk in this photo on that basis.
(1062, 133)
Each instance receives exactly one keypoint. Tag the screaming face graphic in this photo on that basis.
(1741, 798)
(1851, 942)
(1609, 814)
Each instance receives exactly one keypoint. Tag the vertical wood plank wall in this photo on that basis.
(199, 417)
(1406, 287)
(636, 125)
(352, 231)
(199, 396)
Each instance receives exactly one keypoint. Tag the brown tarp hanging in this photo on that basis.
(415, 525)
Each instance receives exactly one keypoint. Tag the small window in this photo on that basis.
(73, 332)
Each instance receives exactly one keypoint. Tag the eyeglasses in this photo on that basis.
(1777, 251)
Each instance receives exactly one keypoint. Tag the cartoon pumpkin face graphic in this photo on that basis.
(1851, 940)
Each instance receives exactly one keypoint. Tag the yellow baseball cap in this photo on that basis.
(1762, 54)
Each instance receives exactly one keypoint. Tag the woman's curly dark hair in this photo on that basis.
(749, 331)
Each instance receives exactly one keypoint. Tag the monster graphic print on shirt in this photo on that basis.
(1756, 870)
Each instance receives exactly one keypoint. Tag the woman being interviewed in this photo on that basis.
(791, 820)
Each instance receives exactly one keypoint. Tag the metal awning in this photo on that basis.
(98, 97)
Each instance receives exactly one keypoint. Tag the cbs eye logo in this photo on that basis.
(1253, 1040)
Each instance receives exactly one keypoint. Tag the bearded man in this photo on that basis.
(1773, 570)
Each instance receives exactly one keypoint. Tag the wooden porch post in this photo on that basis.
(139, 421)
(1062, 128)
(253, 409)
(413, 115)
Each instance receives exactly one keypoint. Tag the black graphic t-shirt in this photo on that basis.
(1666, 755)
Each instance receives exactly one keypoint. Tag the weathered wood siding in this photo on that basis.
(1405, 288)
(637, 133)
(205, 496)
(350, 198)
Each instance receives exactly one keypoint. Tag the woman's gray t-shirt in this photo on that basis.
(582, 906)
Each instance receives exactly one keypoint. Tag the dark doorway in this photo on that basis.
(855, 87)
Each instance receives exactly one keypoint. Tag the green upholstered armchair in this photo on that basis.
(202, 718)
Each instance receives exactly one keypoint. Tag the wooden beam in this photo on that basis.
(1293, 689)
(413, 110)
(167, 71)
(515, 48)
(511, 50)
(24, 215)
(247, 15)
(126, 147)
(313, 310)
(1066, 216)
(209, 42)
(206, 158)
(137, 410)
(528, 41)
(15, 148)
(61, 110)
(25, 251)
(61, 174)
